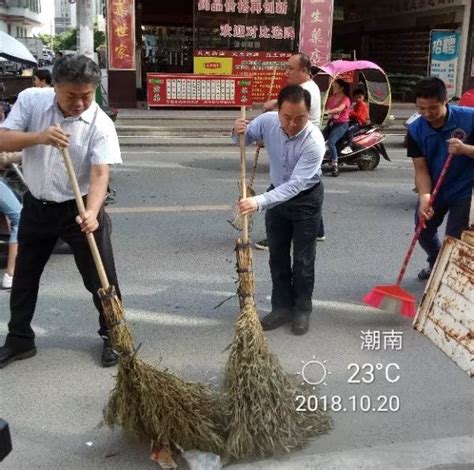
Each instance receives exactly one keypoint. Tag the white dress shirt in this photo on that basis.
(92, 141)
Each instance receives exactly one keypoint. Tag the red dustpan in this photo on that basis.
(393, 298)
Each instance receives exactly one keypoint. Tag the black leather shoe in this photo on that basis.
(300, 324)
(109, 357)
(334, 170)
(8, 355)
(276, 319)
(424, 274)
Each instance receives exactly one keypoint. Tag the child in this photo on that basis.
(359, 117)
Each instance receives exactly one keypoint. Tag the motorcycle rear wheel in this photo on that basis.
(369, 160)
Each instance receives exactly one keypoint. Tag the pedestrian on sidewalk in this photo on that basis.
(293, 203)
(441, 129)
(42, 78)
(42, 121)
(10, 206)
(298, 72)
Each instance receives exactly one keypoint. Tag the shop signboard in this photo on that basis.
(265, 68)
(444, 57)
(121, 34)
(198, 90)
(316, 30)
(242, 19)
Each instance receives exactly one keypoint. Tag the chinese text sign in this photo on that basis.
(195, 90)
(444, 58)
(121, 34)
(316, 30)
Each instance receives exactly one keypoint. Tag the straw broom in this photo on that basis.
(149, 403)
(261, 397)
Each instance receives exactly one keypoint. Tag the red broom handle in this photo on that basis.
(419, 227)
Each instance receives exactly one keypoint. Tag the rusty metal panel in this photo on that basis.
(446, 312)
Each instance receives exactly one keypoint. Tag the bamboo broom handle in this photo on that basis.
(243, 181)
(81, 208)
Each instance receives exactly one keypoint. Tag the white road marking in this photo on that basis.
(172, 319)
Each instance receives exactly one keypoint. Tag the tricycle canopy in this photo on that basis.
(363, 74)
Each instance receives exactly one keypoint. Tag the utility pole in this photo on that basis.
(85, 28)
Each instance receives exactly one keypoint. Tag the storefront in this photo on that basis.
(255, 37)
(406, 37)
(211, 37)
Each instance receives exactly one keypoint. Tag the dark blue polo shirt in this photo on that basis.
(425, 141)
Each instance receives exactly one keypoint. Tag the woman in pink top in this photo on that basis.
(338, 107)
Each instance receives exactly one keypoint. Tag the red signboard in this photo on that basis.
(121, 34)
(316, 30)
(198, 90)
(265, 68)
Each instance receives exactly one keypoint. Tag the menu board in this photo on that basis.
(198, 90)
(265, 68)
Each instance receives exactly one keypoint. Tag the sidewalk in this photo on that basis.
(440, 454)
(399, 110)
(197, 127)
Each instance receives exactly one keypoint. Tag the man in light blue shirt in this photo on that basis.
(293, 203)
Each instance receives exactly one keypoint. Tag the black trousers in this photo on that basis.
(458, 220)
(41, 224)
(295, 220)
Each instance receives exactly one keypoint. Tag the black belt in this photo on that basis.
(43, 202)
(301, 193)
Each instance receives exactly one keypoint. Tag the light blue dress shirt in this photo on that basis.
(295, 162)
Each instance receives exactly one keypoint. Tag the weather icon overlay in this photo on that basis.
(314, 372)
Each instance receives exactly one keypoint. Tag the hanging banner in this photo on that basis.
(265, 68)
(198, 90)
(316, 30)
(444, 57)
(121, 34)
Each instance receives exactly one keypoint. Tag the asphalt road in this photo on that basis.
(174, 255)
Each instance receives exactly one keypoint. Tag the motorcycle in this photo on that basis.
(366, 148)
(364, 151)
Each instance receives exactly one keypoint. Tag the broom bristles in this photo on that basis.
(262, 414)
(393, 299)
(150, 403)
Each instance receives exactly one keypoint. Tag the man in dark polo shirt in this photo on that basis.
(441, 129)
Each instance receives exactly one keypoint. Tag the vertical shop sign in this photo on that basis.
(444, 57)
(316, 30)
(121, 34)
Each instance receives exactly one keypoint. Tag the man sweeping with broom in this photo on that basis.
(442, 129)
(293, 203)
(42, 122)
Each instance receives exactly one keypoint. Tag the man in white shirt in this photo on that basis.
(298, 72)
(42, 121)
